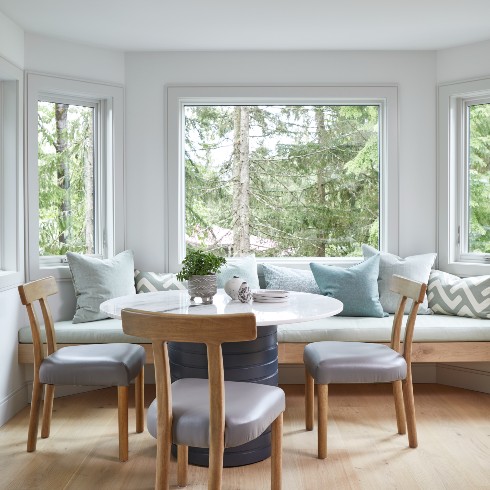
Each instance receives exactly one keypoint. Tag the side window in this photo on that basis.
(464, 177)
(75, 180)
(476, 179)
(67, 164)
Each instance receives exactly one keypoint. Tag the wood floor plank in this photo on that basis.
(365, 451)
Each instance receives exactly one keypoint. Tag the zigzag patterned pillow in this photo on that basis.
(147, 282)
(452, 295)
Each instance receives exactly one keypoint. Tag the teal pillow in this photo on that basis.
(97, 280)
(356, 287)
(243, 267)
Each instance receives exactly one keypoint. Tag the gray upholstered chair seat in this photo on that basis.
(93, 365)
(353, 362)
(249, 409)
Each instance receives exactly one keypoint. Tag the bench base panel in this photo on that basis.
(292, 352)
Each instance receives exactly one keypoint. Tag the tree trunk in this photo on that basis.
(89, 189)
(63, 172)
(320, 179)
(241, 182)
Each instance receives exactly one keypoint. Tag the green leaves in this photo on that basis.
(200, 263)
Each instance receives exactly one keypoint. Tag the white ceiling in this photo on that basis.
(157, 25)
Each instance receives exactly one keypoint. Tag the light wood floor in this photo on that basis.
(364, 450)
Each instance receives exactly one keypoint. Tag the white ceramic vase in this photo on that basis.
(232, 286)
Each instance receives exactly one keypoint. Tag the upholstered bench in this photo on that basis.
(438, 338)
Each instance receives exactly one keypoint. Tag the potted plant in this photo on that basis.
(199, 268)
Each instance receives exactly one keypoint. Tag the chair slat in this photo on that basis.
(204, 329)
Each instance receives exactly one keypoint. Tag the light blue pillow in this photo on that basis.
(243, 267)
(356, 287)
(289, 279)
(97, 280)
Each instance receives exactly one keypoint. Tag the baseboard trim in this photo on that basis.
(462, 377)
(13, 403)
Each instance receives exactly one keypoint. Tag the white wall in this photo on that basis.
(11, 41)
(41, 54)
(55, 57)
(13, 394)
(147, 73)
(457, 64)
(464, 62)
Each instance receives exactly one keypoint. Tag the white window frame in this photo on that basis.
(176, 97)
(109, 175)
(11, 176)
(453, 154)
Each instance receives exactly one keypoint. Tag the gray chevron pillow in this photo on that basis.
(452, 295)
(148, 282)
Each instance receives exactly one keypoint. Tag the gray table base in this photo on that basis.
(254, 361)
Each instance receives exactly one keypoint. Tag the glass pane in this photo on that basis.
(66, 178)
(282, 181)
(479, 179)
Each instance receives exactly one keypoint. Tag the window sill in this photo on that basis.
(10, 279)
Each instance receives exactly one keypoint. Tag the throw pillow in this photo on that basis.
(97, 280)
(243, 267)
(147, 282)
(289, 279)
(356, 286)
(452, 295)
(415, 267)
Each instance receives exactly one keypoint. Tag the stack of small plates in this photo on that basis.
(270, 296)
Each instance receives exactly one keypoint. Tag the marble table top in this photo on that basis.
(299, 307)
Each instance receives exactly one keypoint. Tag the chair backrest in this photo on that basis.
(407, 289)
(211, 330)
(29, 294)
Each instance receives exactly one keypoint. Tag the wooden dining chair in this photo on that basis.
(360, 362)
(81, 365)
(210, 413)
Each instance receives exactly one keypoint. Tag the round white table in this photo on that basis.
(300, 307)
(255, 361)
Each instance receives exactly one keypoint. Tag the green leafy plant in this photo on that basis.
(200, 263)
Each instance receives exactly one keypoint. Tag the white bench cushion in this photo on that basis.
(428, 328)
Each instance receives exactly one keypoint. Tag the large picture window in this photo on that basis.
(75, 179)
(286, 173)
(282, 181)
(464, 177)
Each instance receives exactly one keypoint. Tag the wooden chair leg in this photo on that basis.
(276, 456)
(164, 445)
(410, 411)
(215, 474)
(139, 400)
(37, 388)
(122, 410)
(309, 400)
(322, 420)
(47, 410)
(182, 462)
(401, 421)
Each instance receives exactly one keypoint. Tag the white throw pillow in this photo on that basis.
(415, 267)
